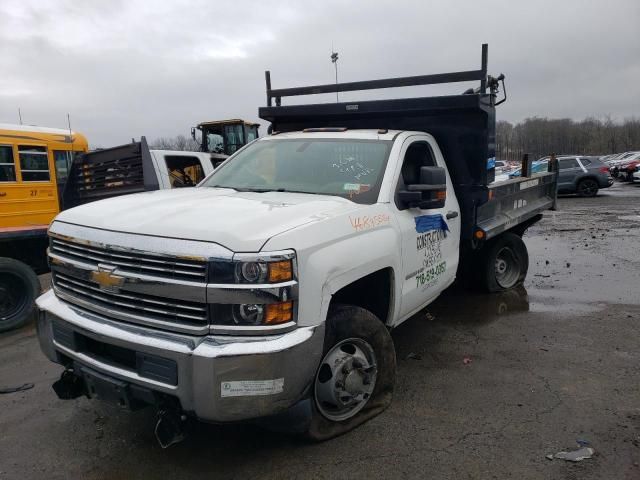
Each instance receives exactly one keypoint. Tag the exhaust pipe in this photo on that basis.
(69, 386)
(170, 428)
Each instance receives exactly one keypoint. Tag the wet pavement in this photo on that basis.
(487, 385)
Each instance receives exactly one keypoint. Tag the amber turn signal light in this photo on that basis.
(276, 313)
(280, 271)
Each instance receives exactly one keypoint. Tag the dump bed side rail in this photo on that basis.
(515, 202)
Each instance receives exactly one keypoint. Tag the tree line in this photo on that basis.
(544, 136)
(179, 142)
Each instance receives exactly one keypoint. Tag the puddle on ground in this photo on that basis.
(464, 307)
(633, 218)
(571, 272)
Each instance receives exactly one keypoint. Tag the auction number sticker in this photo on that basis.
(251, 388)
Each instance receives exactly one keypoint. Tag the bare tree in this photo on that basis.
(543, 136)
(179, 142)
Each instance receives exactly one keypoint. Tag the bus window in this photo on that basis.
(7, 167)
(62, 159)
(34, 163)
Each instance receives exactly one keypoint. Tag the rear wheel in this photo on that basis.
(587, 188)
(19, 287)
(505, 263)
(355, 379)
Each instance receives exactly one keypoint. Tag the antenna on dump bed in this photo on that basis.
(334, 60)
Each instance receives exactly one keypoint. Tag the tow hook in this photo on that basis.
(170, 428)
(69, 386)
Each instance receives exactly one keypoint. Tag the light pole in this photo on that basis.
(334, 60)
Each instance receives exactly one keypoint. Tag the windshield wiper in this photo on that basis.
(280, 189)
(266, 190)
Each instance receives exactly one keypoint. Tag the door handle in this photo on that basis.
(451, 215)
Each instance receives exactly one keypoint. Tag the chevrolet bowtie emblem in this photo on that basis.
(105, 278)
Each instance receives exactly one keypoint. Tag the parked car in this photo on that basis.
(577, 174)
(625, 168)
(582, 175)
(636, 175)
(501, 166)
(539, 166)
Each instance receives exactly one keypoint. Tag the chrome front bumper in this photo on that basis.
(260, 375)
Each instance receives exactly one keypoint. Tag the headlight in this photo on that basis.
(269, 314)
(248, 314)
(251, 272)
(257, 268)
(254, 290)
(263, 272)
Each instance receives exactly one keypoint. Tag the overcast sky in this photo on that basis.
(128, 68)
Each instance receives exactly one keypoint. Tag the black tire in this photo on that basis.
(504, 263)
(587, 188)
(347, 323)
(19, 287)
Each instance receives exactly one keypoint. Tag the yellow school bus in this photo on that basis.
(34, 163)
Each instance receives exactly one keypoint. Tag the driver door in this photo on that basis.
(430, 237)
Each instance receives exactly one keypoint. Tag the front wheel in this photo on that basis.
(505, 263)
(356, 376)
(19, 288)
(588, 188)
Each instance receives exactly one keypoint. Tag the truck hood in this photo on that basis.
(239, 221)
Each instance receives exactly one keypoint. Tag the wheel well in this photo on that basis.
(32, 251)
(587, 177)
(372, 292)
(521, 228)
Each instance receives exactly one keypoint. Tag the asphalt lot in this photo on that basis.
(555, 361)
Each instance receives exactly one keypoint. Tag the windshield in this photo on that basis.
(347, 168)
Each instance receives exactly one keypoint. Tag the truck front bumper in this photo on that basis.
(216, 378)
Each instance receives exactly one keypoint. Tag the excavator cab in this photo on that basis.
(225, 137)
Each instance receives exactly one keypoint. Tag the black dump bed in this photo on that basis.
(109, 173)
(463, 125)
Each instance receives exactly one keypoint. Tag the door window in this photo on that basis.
(252, 133)
(34, 163)
(234, 138)
(184, 171)
(567, 163)
(418, 155)
(215, 143)
(62, 159)
(7, 165)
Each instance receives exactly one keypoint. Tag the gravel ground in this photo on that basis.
(555, 361)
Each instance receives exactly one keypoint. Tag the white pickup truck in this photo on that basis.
(269, 289)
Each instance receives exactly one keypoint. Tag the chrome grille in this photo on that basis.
(132, 306)
(132, 261)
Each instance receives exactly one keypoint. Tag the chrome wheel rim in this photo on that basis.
(507, 267)
(346, 379)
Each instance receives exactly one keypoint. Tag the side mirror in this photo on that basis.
(193, 133)
(431, 192)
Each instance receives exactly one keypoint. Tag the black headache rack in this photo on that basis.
(463, 125)
(109, 173)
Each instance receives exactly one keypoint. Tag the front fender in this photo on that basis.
(332, 254)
